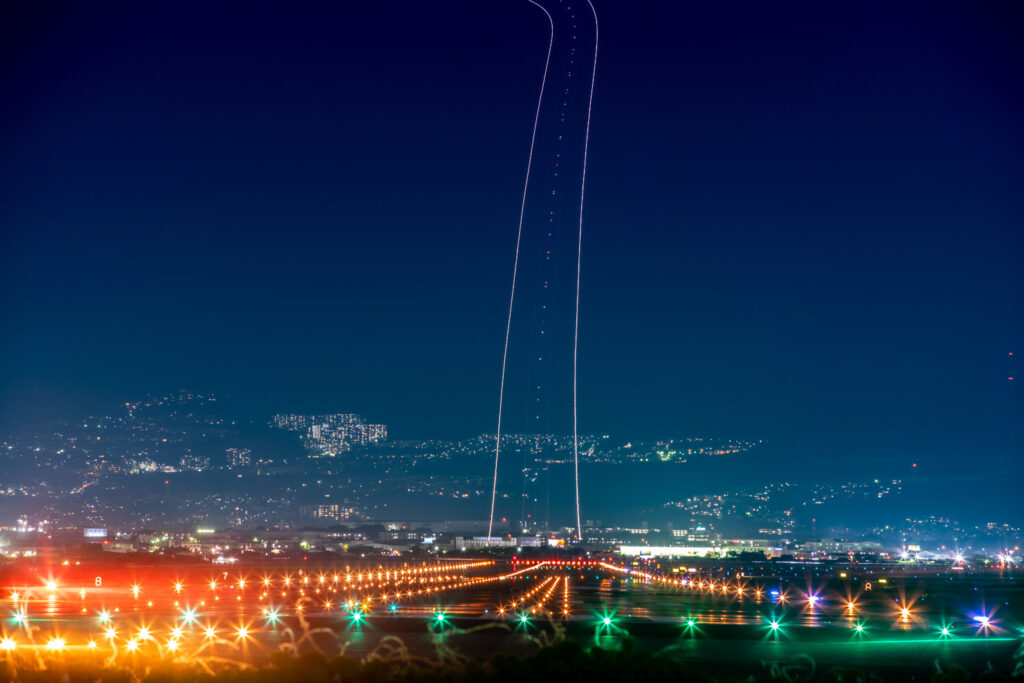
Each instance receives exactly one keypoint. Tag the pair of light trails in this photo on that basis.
(579, 263)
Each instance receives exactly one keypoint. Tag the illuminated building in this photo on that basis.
(334, 434)
(331, 511)
(238, 457)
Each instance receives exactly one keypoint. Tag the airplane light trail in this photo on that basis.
(546, 278)
(579, 262)
(515, 264)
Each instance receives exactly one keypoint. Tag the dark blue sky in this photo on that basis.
(802, 222)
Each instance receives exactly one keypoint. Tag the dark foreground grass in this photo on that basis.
(560, 662)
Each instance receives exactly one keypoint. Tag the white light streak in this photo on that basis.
(515, 265)
(579, 261)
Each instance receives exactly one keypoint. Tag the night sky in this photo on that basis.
(803, 220)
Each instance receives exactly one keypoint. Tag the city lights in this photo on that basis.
(755, 416)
